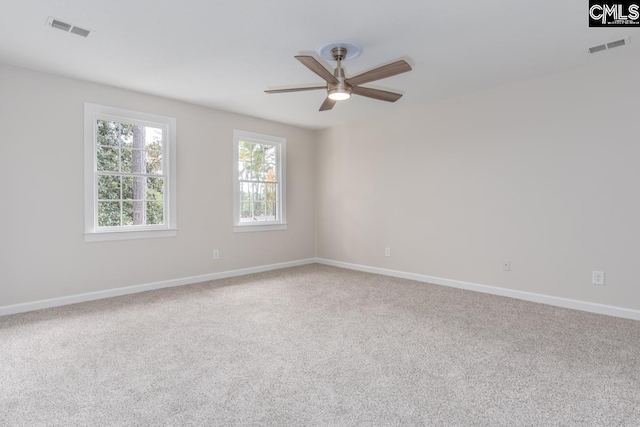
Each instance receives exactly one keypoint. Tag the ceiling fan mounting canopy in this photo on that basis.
(353, 50)
(339, 87)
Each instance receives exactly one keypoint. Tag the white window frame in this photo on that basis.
(95, 112)
(281, 162)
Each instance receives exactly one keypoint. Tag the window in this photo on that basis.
(130, 186)
(259, 182)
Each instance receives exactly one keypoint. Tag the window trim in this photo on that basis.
(93, 112)
(281, 144)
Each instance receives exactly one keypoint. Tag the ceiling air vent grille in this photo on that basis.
(60, 25)
(610, 45)
(67, 28)
(80, 31)
(616, 43)
(598, 48)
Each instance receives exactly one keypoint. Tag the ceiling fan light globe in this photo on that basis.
(339, 95)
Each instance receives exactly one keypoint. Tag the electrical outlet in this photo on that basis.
(598, 278)
(387, 251)
(506, 266)
(216, 254)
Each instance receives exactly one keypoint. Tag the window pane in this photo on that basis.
(245, 192)
(260, 172)
(107, 159)
(255, 170)
(244, 151)
(133, 161)
(244, 171)
(107, 133)
(259, 211)
(127, 213)
(154, 162)
(155, 213)
(127, 160)
(257, 153)
(270, 154)
(272, 211)
(271, 192)
(133, 212)
(108, 187)
(139, 187)
(155, 189)
(138, 212)
(126, 135)
(258, 192)
(245, 212)
(134, 188)
(127, 187)
(153, 139)
(108, 214)
(138, 162)
(270, 172)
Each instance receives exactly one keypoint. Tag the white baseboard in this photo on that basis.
(73, 299)
(591, 307)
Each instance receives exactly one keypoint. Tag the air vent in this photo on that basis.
(610, 45)
(616, 43)
(60, 25)
(67, 28)
(80, 31)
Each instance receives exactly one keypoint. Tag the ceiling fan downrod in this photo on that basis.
(341, 90)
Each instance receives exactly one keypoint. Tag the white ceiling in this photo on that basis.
(224, 54)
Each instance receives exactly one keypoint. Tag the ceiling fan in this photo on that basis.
(339, 87)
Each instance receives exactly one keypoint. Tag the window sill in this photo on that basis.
(129, 235)
(266, 227)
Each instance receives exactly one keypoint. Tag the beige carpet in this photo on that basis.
(317, 346)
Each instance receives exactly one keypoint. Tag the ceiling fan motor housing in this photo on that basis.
(340, 90)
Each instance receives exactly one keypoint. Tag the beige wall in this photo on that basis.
(544, 173)
(43, 254)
